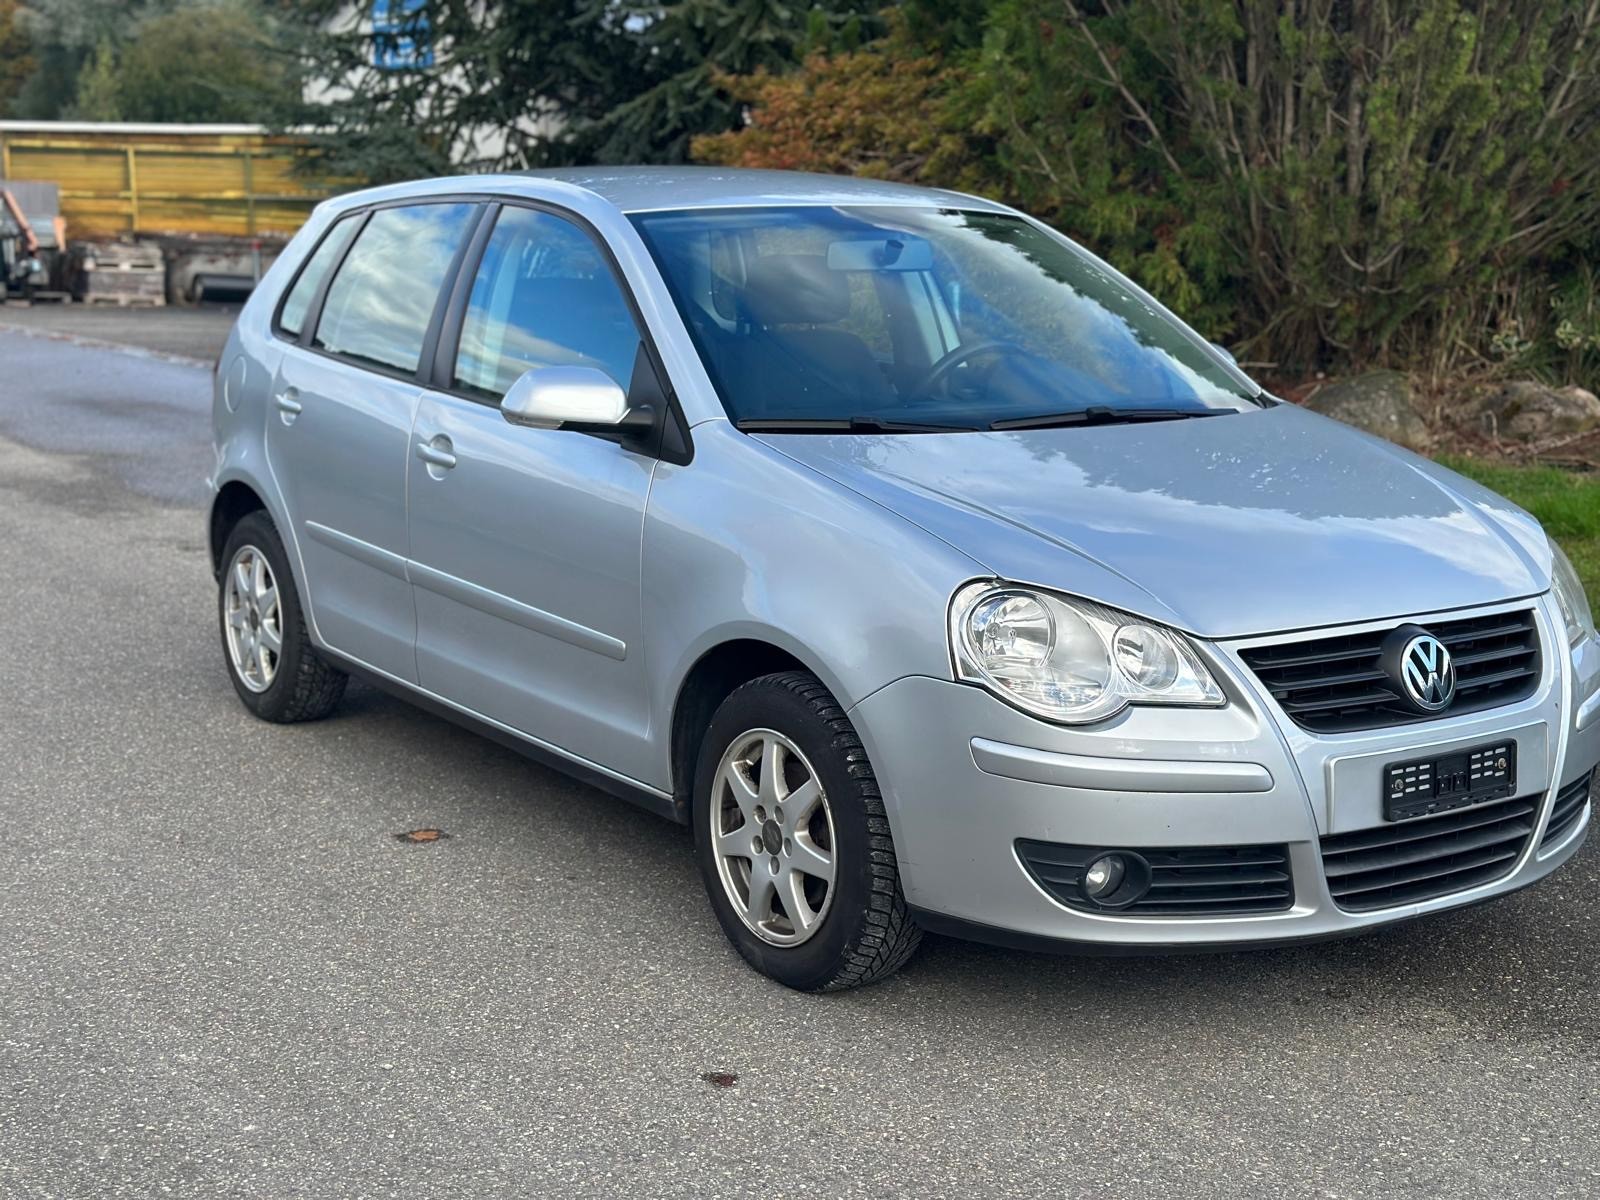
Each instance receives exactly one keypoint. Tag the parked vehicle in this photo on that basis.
(165, 212)
(929, 568)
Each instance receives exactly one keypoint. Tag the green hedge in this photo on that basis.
(1327, 183)
(1566, 503)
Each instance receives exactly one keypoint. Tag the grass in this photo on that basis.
(1566, 503)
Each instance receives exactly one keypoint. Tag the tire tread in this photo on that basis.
(318, 686)
(889, 936)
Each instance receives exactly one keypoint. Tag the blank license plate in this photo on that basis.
(1423, 786)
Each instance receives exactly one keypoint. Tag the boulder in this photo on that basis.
(1379, 402)
(1528, 411)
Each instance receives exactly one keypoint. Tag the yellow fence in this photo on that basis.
(235, 180)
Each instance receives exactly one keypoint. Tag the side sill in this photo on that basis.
(1117, 774)
(659, 804)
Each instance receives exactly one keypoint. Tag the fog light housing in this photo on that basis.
(1115, 879)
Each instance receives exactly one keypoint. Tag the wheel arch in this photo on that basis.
(234, 501)
(708, 682)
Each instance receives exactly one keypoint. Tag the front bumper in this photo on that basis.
(965, 776)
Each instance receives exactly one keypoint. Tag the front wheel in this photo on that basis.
(793, 841)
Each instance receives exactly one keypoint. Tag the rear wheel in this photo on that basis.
(274, 667)
(793, 840)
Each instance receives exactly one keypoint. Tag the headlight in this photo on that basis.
(1070, 660)
(1570, 599)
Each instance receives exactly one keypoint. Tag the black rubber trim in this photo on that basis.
(454, 313)
(426, 361)
(992, 935)
(661, 806)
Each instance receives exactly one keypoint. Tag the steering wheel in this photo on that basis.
(939, 373)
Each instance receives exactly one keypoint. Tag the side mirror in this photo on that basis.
(1225, 352)
(581, 398)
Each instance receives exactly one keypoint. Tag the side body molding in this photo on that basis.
(515, 611)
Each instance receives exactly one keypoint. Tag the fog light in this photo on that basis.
(1104, 876)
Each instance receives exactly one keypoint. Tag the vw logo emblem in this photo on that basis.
(1419, 669)
(1427, 676)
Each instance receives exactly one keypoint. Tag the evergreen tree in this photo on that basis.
(688, 43)
(97, 98)
(502, 84)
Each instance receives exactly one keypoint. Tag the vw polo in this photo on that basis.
(927, 567)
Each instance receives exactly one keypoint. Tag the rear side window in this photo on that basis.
(379, 304)
(293, 317)
(544, 296)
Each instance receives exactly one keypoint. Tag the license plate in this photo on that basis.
(1423, 786)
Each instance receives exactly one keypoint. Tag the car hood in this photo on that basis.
(1264, 521)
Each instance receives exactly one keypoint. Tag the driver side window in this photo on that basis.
(543, 296)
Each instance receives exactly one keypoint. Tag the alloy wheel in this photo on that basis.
(253, 619)
(772, 834)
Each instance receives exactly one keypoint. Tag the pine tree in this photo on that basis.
(556, 81)
(688, 43)
(98, 98)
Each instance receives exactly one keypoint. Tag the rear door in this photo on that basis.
(525, 542)
(339, 427)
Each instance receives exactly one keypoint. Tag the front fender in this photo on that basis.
(746, 543)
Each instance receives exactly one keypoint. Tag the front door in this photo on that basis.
(339, 429)
(525, 543)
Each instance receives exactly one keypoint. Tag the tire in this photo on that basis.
(292, 683)
(859, 930)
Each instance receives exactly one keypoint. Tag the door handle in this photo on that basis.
(288, 400)
(436, 455)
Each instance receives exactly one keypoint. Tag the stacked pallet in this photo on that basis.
(119, 272)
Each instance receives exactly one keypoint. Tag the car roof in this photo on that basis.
(658, 188)
(643, 189)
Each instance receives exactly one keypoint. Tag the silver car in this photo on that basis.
(928, 568)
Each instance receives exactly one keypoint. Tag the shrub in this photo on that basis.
(877, 111)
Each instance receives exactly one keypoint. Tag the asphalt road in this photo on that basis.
(221, 975)
(194, 333)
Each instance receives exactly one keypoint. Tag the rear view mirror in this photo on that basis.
(583, 398)
(900, 252)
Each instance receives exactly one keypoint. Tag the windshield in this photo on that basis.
(921, 319)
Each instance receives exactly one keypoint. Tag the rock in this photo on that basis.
(1531, 412)
(1378, 402)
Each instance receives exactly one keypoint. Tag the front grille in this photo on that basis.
(1408, 861)
(1194, 881)
(1335, 684)
(1567, 811)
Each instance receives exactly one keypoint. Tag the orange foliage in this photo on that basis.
(872, 112)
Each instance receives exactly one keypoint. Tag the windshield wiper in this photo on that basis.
(842, 425)
(1099, 414)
